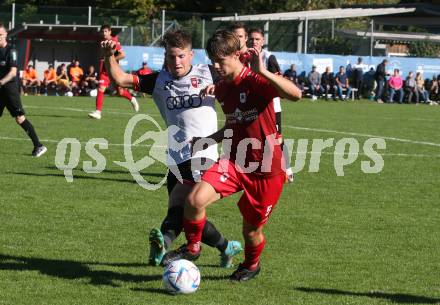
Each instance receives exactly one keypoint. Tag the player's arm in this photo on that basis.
(285, 87)
(120, 54)
(217, 136)
(11, 74)
(117, 75)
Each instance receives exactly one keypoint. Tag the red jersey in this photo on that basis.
(247, 102)
(117, 49)
(143, 71)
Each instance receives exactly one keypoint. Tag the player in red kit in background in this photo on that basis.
(246, 97)
(104, 80)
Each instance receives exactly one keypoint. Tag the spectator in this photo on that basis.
(369, 83)
(63, 81)
(396, 84)
(75, 74)
(328, 83)
(434, 89)
(315, 83)
(30, 79)
(358, 75)
(90, 80)
(380, 76)
(411, 87)
(144, 70)
(291, 74)
(342, 83)
(421, 88)
(49, 80)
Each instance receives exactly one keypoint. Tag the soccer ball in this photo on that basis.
(181, 276)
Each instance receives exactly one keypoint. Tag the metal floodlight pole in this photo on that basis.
(131, 35)
(372, 38)
(203, 33)
(90, 16)
(333, 28)
(305, 35)
(13, 15)
(163, 23)
(266, 33)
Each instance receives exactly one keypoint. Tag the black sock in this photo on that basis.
(172, 225)
(27, 126)
(212, 237)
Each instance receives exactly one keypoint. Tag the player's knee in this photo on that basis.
(20, 119)
(195, 200)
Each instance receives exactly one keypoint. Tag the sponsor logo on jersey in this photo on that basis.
(239, 116)
(194, 82)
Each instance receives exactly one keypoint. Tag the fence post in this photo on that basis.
(266, 33)
(13, 15)
(90, 16)
(299, 41)
(131, 35)
(163, 23)
(305, 36)
(203, 33)
(372, 38)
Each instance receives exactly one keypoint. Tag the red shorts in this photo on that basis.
(104, 79)
(260, 194)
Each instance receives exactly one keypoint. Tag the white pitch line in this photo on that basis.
(295, 153)
(364, 135)
(288, 126)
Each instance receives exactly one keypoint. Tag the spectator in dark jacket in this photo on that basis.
(328, 83)
(380, 76)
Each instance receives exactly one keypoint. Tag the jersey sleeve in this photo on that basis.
(12, 59)
(264, 88)
(145, 83)
(272, 65)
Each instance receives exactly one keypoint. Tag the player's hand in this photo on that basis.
(209, 90)
(256, 62)
(108, 47)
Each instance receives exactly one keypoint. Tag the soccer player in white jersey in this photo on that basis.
(176, 92)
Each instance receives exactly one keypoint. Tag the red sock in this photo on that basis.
(99, 100)
(252, 255)
(125, 93)
(193, 232)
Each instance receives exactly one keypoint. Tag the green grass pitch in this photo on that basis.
(353, 239)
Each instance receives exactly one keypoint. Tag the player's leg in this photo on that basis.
(127, 95)
(278, 111)
(259, 199)
(103, 84)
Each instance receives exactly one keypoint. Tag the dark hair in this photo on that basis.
(177, 39)
(106, 26)
(222, 43)
(256, 30)
(237, 25)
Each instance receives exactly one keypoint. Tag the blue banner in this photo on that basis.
(135, 55)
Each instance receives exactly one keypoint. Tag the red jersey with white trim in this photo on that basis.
(117, 49)
(247, 102)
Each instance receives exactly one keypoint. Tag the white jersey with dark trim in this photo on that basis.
(180, 104)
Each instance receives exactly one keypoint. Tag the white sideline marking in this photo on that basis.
(307, 152)
(288, 126)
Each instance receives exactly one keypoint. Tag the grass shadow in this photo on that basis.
(73, 270)
(400, 298)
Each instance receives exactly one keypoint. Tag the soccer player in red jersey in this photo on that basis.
(253, 160)
(104, 80)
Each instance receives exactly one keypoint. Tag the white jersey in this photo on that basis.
(180, 105)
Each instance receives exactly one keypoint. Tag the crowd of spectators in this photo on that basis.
(377, 84)
(70, 80)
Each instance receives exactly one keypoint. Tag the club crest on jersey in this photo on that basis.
(195, 82)
(243, 97)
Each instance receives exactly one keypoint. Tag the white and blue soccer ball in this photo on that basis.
(181, 276)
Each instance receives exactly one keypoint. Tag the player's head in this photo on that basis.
(223, 49)
(106, 32)
(239, 29)
(178, 52)
(256, 39)
(3, 35)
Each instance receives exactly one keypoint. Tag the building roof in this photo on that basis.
(60, 31)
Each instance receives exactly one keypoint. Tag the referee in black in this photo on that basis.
(9, 93)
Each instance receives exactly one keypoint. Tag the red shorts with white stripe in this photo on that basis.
(104, 79)
(260, 193)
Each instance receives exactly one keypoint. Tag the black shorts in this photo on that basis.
(189, 175)
(10, 98)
